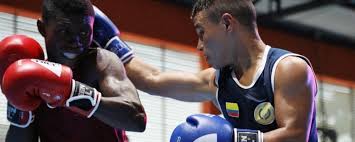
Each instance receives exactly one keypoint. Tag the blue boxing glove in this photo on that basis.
(212, 128)
(203, 128)
(106, 36)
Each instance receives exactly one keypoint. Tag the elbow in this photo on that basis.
(139, 118)
(141, 122)
(300, 135)
(303, 137)
(299, 138)
(284, 134)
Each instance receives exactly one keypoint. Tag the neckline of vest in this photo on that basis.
(257, 74)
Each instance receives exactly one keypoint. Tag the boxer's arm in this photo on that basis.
(294, 101)
(178, 85)
(17, 134)
(182, 86)
(120, 106)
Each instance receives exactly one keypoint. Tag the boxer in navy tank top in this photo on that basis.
(264, 93)
(255, 102)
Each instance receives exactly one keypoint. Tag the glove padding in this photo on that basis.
(203, 128)
(15, 47)
(28, 82)
(212, 128)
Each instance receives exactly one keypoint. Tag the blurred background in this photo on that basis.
(161, 33)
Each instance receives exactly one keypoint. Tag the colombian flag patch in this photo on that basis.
(232, 109)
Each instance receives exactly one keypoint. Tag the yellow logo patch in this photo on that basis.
(264, 113)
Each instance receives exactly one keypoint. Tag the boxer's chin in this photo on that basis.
(70, 55)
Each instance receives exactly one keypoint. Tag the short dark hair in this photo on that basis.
(50, 8)
(242, 10)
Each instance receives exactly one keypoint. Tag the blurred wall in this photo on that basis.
(170, 23)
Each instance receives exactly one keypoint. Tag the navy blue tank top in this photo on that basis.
(252, 107)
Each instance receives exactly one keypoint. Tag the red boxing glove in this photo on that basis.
(29, 81)
(26, 82)
(15, 47)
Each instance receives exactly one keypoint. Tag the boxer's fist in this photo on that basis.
(29, 81)
(15, 47)
(26, 82)
(203, 128)
(104, 28)
(106, 36)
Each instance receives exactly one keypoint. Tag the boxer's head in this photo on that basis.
(67, 27)
(222, 26)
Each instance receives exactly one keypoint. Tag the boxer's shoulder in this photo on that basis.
(107, 61)
(105, 56)
(292, 64)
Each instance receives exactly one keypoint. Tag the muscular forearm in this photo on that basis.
(285, 135)
(122, 113)
(178, 85)
(120, 106)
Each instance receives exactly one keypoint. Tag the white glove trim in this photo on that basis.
(30, 120)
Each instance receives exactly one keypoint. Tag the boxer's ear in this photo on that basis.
(40, 26)
(226, 20)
